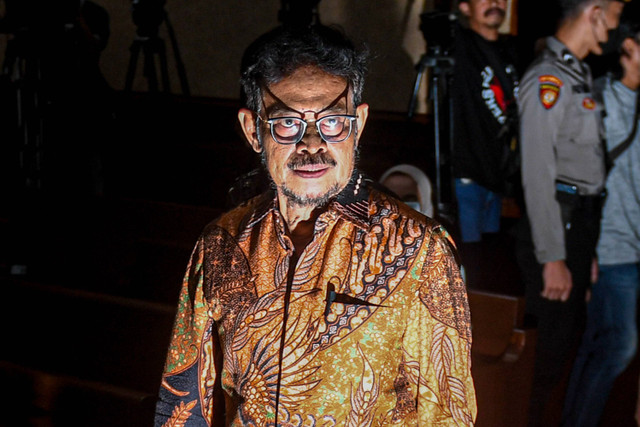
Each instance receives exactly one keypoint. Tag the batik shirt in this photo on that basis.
(377, 322)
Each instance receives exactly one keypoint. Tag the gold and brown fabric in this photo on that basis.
(370, 327)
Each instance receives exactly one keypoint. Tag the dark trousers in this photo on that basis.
(559, 324)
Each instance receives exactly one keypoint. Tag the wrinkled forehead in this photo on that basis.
(307, 89)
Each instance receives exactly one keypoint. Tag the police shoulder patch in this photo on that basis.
(549, 90)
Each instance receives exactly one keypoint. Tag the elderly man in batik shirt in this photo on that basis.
(323, 301)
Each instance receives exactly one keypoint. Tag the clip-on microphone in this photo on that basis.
(333, 296)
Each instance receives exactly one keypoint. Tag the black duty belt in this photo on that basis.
(569, 194)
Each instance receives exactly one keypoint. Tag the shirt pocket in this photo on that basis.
(582, 121)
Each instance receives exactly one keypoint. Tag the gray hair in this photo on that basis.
(278, 53)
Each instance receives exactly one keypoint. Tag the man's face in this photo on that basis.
(484, 13)
(630, 61)
(604, 17)
(612, 12)
(310, 172)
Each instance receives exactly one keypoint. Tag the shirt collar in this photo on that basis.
(353, 201)
(562, 52)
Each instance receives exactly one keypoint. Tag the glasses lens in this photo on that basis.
(335, 128)
(287, 130)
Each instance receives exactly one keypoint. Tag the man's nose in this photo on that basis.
(312, 142)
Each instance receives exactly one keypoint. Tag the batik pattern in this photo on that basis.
(396, 351)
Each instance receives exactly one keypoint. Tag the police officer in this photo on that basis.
(563, 172)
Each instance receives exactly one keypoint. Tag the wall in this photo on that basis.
(212, 35)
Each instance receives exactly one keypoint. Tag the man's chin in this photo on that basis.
(494, 25)
(597, 50)
(309, 199)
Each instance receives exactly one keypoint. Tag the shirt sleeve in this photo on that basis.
(437, 341)
(188, 393)
(620, 104)
(543, 100)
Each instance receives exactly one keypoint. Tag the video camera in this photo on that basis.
(299, 13)
(148, 15)
(438, 29)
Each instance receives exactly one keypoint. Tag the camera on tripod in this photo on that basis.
(438, 29)
(148, 15)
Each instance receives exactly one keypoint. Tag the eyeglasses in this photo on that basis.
(290, 130)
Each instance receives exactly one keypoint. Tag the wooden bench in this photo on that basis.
(502, 358)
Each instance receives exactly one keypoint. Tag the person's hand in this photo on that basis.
(594, 278)
(594, 270)
(557, 281)
(630, 62)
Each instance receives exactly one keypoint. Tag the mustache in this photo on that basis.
(497, 10)
(299, 160)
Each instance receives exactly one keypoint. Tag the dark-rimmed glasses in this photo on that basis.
(288, 130)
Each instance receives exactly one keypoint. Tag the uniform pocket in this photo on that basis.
(583, 121)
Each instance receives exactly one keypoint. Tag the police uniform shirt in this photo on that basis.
(560, 141)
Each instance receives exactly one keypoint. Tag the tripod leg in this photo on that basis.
(164, 68)
(133, 62)
(182, 75)
(416, 89)
(150, 66)
(30, 122)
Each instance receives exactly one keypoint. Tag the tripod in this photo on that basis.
(441, 68)
(22, 67)
(154, 51)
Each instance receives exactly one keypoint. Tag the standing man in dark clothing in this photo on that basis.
(563, 172)
(484, 92)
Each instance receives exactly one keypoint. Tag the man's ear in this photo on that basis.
(594, 12)
(464, 8)
(362, 113)
(247, 120)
